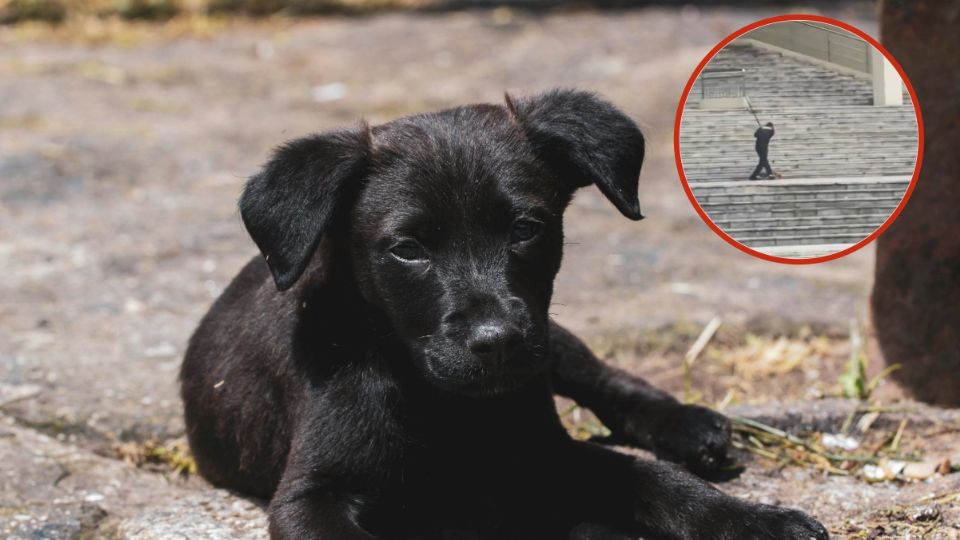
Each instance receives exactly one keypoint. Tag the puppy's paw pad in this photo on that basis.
(694, 436)
(784, 524)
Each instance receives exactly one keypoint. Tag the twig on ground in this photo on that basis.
(940, 499)
(895, 444)
(705, 336)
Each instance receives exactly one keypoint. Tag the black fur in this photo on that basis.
(389, 371)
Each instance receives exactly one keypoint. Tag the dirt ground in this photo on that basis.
(123, 149)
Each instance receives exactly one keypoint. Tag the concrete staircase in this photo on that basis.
(827, 141)
(810, 212)
(773, 80)
(845, 163)
(826, 124)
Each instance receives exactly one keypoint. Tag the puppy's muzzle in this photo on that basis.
(488, 327)
(493, 342)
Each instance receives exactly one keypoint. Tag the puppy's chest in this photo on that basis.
(450, 486)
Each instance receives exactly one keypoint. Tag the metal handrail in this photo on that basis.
(715, 74)
(723, 72)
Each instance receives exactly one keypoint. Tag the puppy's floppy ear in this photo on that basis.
(298, 195)
(584, 140)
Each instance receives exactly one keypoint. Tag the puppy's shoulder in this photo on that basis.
(250, 291)
(249, 306)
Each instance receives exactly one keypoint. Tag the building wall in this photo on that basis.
(822, 42)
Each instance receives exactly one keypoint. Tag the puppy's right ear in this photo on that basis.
(298, 196)
(584, 140)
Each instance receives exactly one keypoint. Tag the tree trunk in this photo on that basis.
(916, 293)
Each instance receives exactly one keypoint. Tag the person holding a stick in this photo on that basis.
(763, 135)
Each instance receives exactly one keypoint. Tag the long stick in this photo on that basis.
(750, 107)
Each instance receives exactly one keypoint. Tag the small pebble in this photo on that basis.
(920, 471)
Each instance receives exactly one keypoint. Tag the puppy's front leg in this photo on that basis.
(307, 505)
(648, 497)
(636, 412)
(303, 512)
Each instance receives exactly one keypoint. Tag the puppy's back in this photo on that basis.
(234, 397)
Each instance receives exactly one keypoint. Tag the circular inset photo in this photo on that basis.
(798, 139)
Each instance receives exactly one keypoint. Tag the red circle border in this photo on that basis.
(683, 177)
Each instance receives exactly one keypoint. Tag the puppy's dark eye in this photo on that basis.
(524, 229)
(409, 251)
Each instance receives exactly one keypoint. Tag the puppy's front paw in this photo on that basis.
(764, 522)
(693, 436)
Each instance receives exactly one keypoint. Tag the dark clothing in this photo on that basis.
(764, 164)
(763, 135)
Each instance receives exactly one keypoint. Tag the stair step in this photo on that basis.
(742, 173)
(788, 222)
(800, 240)
(756, 187)
(790, 158)
(788, 76)
(793, 213)
(809, 202)
(862, 230)
(797, 196)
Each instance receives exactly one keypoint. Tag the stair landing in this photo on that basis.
(799, 218)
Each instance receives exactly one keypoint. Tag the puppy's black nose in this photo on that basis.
(493, 342)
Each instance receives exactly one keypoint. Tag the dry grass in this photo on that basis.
(737, 363)
(580, 423)
(171, 456)
(93, 30)
(859, 450)
(766, 356)
(923, 520)
(61, 11)
(719, 364)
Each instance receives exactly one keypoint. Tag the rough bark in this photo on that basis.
(916, 295)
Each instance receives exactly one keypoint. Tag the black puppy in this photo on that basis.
(387, 369)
